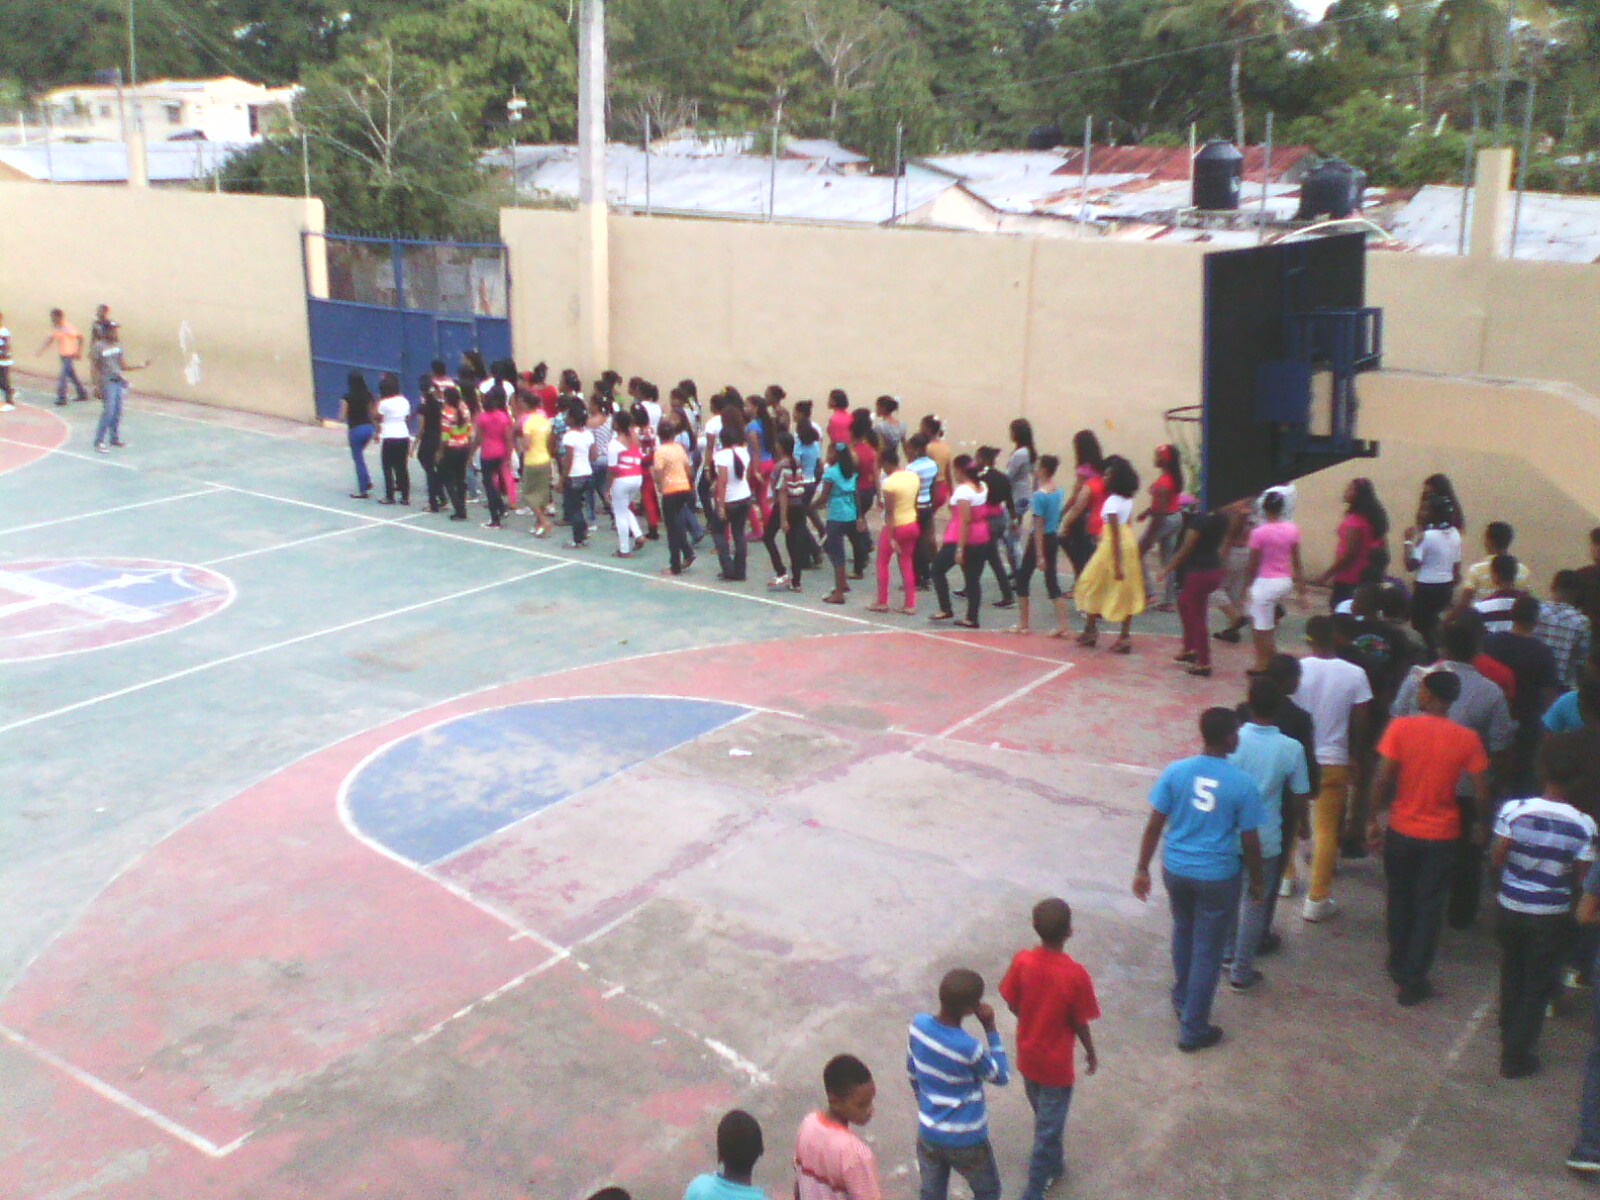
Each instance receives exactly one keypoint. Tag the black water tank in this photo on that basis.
(1331, 189)
(1218, 172)
(1044, 137)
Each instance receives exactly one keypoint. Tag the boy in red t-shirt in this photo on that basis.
(1421, 760)
(1053, 999)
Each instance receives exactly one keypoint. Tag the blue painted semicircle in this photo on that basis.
(436, 793)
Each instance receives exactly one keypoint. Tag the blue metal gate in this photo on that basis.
(388, 304)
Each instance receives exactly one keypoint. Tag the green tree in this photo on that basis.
(1368, 131)
(1240, 23)
(900, 99)
(976, 48)
(853, 40)
(388, 152)
(48, 44)
(498, 47)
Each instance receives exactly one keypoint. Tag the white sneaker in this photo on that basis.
(8, 408)
(1319, 910)
(1286, 887)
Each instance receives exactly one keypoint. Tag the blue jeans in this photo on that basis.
(360, 436)
(975, 1164)
(1251, 920)
(110, 427)
(69, 374)
(1202, 911)
(1589, 1117)
(599, 487)
(1049, 1158)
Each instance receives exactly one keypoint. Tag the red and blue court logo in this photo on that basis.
(54, 606)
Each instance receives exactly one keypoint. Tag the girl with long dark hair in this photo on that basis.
(1081, 523)
(1112, 583)
(787, 519)
(1045, 503)
(966, 542)
(1166, 522)
(1435, 556)
(733, 495)
(1362, 555)
(356, 410)
(838, 494)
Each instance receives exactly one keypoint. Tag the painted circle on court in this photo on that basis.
(54, 606)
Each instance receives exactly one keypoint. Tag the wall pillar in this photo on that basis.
(594, 273)
(1491, 204)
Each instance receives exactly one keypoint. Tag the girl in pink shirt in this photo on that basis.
(1274, 572)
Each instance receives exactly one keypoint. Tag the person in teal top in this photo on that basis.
(739, 1148)
(1575, 709)
(838, 493)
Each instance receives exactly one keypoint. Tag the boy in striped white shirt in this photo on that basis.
(948, 1068)
(1541, 848)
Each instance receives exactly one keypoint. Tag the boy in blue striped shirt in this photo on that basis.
(1541, 848)
(948, 1068)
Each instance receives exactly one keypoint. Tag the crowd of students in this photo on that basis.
(1440, 715)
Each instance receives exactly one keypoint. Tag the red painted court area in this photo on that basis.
(29, 434)
(428, 960)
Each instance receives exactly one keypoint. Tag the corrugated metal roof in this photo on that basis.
(730, 186)
(1552, 227)
(1172, 162)
(107, 162)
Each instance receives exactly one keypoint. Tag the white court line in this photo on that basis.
(145, 411)
(121, 1099)
(105, 460)
(1009, 698)
(287, 642)
(305, 541)
(1367, 1189)
(105, 512)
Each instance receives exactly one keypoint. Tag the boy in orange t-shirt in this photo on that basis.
(1054, 1001)
(1421, 760)
(69, 346)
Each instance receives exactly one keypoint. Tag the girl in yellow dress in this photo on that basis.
(1112, 585)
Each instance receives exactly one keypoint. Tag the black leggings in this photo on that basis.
(492, 487)
(798, 542)
(453, 471)
(1429, 601)
(1079, 546)
(428, 459)
(730, 538)
(971, 572)
(1052, 585)
(927, 550)
(675, 515)
(396, 469)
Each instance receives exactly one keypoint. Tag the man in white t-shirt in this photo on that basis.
(1338, 695)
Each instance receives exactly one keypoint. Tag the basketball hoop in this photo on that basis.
(1185, 429)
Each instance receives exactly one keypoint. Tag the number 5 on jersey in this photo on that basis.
(1205, 794)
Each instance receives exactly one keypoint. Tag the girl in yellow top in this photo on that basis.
(1112, 584)
(533, 441)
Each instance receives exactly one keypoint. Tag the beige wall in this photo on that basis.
(1097, 333)
(190, 276)
(978, 329)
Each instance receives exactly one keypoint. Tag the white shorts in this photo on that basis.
(1265, 595)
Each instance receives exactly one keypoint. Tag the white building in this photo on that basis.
(214, 110)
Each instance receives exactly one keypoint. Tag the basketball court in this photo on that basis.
(350, 852)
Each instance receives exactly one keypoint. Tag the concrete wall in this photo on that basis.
(211, 287)
(1104, 334)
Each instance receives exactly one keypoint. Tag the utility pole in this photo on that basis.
(138, 163)
(594, 277)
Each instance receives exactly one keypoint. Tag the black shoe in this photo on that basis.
(1208, 1039)
(360, 495)
(1271, 943)
(61, 403)
(1230, 635)
(387, 500)
(1005, 604)
(1519, 1066)
(1413, 994)
(1352, 848)
(1248, 982)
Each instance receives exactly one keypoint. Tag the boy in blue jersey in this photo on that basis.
(948, 1068)
(1210, 811)
(739, 1148)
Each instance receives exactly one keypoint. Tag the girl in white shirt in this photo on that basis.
(1112, 584)
(1436, 558)
(732, 464)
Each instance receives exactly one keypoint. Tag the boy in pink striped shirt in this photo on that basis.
(831, 1162)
